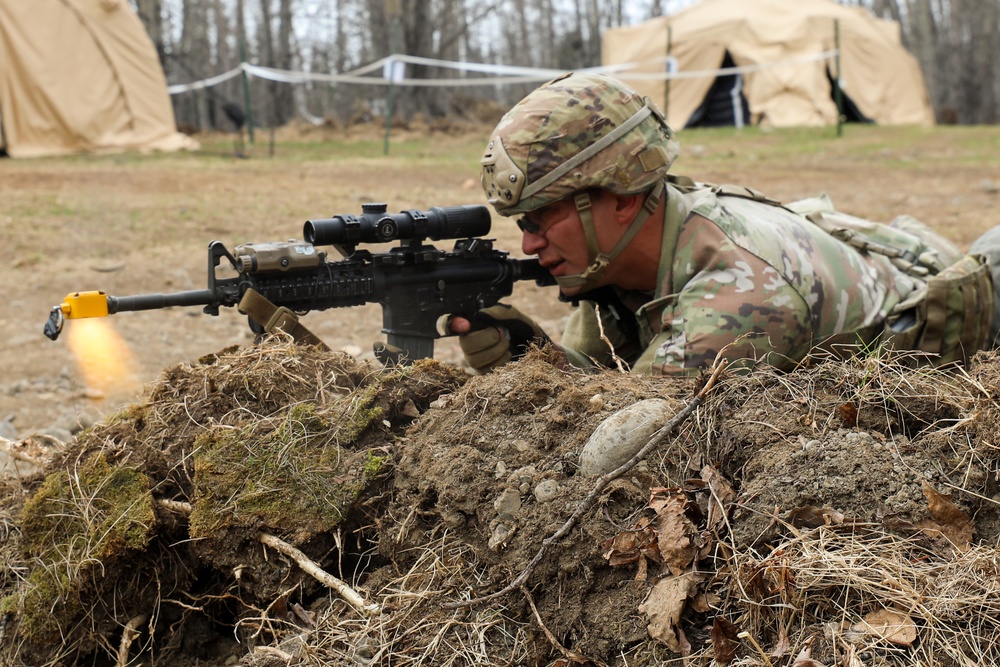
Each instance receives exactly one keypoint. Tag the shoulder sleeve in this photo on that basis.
(728, 302)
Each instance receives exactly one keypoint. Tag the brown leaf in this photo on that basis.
(664, 606)
(892, 626)
(675, 532)
(814, 517)
(949, 519)
(632, 545)
(722, 495)
(724, 640)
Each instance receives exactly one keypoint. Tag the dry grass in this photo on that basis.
(826, 581)
(800, 588)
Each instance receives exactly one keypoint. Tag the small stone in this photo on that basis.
(501, 533)
(596, 403)
(507, 504)
(442, 401)
(547, 490)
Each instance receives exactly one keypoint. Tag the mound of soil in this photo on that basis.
(279, 505)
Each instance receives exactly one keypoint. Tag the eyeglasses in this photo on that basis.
(529, 227)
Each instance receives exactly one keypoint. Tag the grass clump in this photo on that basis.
(297, 470)
(77, 525)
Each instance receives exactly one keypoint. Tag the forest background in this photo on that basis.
(955, 41)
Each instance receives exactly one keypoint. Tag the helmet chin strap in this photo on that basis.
(599, 261)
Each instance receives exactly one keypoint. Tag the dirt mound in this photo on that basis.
(281, 505)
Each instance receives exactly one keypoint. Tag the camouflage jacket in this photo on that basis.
(748, 279)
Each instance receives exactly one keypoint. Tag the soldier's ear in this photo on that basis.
(627, 207)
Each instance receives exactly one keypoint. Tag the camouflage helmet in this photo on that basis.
(576, 132)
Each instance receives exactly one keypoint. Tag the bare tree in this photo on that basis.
(955, 41)
(151, 14)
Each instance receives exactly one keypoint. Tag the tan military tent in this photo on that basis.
(784, 73)
(80, 76)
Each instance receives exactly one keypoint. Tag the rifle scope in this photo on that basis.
(374, 225)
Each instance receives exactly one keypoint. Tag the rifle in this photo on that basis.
(415, 283)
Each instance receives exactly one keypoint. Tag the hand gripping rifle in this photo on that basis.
(415, 283)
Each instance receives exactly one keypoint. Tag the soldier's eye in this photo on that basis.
(528, 226)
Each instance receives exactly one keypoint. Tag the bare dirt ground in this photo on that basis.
(843, 514)
(133, 224)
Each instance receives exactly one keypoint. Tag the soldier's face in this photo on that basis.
(555, 234)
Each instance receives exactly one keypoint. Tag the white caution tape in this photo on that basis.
(501, 74)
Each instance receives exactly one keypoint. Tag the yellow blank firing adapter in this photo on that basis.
(76, 306)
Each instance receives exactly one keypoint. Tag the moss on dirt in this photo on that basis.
(424, 488)
(291, 473)
(75, 527)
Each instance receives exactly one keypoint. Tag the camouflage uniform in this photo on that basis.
(738, 274)
(751, 278)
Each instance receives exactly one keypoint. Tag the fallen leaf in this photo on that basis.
(664, 606)
(675, 532)
(814, 517)
(721, 496)
(889, 625)
(724, 640)
(949, 519)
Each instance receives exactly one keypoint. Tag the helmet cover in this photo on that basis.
(576, 132)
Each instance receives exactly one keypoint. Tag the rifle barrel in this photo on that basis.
(199, 297)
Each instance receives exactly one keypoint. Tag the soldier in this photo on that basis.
(670, 274)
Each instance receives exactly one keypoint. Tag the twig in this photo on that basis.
(178, 506)
(602, 482)
(349, 594)
(129, 634)
(275, 652)
(604, 337)
(572, 656)
(308, 565)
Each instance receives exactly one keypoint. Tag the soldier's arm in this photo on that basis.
(744, 313)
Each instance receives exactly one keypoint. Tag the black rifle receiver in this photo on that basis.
(415, 283)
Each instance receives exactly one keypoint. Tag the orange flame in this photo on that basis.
(104, 358)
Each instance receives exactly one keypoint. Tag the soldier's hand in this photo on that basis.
(496, 335)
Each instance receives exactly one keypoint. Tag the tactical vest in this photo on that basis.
(950, 315)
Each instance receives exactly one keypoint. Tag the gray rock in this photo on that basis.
(619, 437)
(508, 504)
(547, 489)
